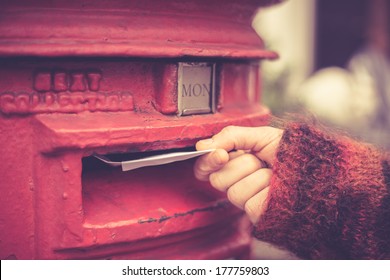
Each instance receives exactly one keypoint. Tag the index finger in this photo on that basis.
(263, 141)
(209, 163)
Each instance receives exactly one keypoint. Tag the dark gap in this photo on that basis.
(91, 163)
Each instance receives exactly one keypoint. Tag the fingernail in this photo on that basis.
(207, 142)
(220, 157)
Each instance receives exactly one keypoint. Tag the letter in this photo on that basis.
(34, 100)
(197, 90)
(64, 101)
(49, 98)
(206, 89)
(60, 81)
(124, 272)
(179, 271)
(186, 92)
(143, 271)
(22, 102)
(77, 100)
(96, 101)
(77, 82)
(112, 102)
(101, 101)
(94, 80)
(42, 81)
(7, 102)
(126, 102)
(91, 100)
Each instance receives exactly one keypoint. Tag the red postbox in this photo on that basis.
(121, 79)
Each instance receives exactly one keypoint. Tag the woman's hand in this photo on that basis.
(240, 165)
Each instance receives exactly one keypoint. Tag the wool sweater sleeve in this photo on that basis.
(329, 197)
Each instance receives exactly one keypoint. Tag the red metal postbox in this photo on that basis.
(122, 79)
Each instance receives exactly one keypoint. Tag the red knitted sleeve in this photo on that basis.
(329, 197)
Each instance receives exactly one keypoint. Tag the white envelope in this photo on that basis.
(153, 160)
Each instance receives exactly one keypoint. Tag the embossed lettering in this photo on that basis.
(34, 100)
(126, 102)
(94, 81)
(7, 103)
(91, 100)
(64, 99)
(49, 98)
(78, 101)
(58, 91)
(100, 101)
(187, 91)
(112, 101)
(22, 101)
(206, 89)
(60, 81)
(42, 81)
(195, 90)
(77, 82)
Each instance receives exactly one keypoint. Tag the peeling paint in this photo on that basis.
(218, 205)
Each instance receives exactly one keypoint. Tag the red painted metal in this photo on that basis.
(84, 77)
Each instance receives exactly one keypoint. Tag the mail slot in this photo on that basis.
(135, 78)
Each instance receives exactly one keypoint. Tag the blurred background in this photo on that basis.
(334, 62)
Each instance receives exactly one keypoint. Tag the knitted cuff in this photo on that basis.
(328, 197)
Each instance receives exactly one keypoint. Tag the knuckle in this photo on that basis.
(216, 181)
(265, 176)
(228, 130)
(251, 208)
(199, 171)
(251, 161)
(202, 168)
(267, 173)
(234, 197)
(219, 159)
(201, 176)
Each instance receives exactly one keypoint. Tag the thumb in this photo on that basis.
(262, 141)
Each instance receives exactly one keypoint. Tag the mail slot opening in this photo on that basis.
(94, 161)
(113, 198)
